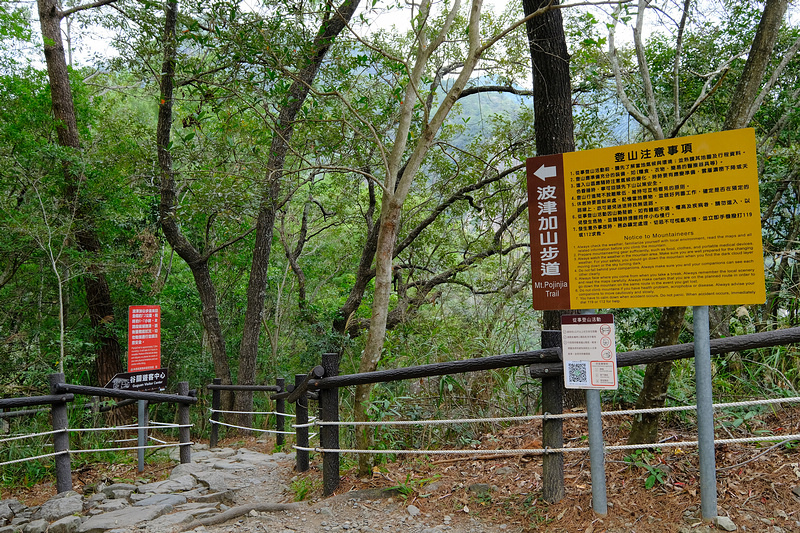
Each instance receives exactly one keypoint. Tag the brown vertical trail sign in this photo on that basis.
(661, 223)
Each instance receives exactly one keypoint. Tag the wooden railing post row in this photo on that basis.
(216, 402)
(552, 429)
(60, 440)
(301, 433)
(184, 420)
(280, 407)
(329, 435)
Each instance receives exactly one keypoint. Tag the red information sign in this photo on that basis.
(144, 337)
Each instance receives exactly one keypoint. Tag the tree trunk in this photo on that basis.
(387, 237)
(657, 375)
(271, 201)
(108, 358)
(741, 111)
(552, 103)
(656, 378)
(364, 273)
(197, 262)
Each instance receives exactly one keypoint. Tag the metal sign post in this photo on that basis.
(705, 413)
(597, 459)
(590, 362)
(142, 440)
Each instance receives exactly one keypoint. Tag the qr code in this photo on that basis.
(577, 373)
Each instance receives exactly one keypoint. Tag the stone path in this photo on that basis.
(225, 491)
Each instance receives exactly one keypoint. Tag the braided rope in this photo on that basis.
(154, 425)
(31, 435)
(271, 431)
(546, 416)
(251, 413)
(543, 451)
(131, 448)
(33, 458)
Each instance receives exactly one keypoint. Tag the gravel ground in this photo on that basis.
(367, 511)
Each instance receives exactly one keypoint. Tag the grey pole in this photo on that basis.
(597, 458)
(142, 440)
(705, 413)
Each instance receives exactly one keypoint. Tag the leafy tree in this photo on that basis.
(648, 114)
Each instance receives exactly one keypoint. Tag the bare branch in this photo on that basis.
(67, 12)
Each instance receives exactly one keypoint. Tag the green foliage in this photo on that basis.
(643, 459)
(302, 487)
(411, 487)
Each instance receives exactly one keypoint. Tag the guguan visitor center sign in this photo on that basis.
(661, 223)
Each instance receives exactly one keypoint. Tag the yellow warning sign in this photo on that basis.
(672, 222)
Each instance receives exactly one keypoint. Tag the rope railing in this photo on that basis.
(130, 448)
(34, 458)
(247, 428)
(545, 416)
(31, 435)
(131, 427)
(544, 451)
(251, 413)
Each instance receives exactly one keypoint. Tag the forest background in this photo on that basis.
(287, 179)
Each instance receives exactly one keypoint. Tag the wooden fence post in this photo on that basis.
(184, 420)
(552, 429)
(301, 433)
(329, 435)
(60, 440)
(280, 407)
(216, 395)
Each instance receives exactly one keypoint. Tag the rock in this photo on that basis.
(172, 500)
(37, 526)
(112, 505)
(215, 481)
(186, 469)
(6, 514)
(413, 510)
(97, 497)
(68, 524)
(796, 491)
(479, 489)
(169, 521)
(178, 484)
(60, 505)
(130, 516)
(112, 491)
(215, 497)
(504, 471)
(724, 523)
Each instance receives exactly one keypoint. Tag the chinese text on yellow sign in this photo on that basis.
(672, 222)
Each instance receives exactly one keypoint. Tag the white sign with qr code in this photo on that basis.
(588, 344)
